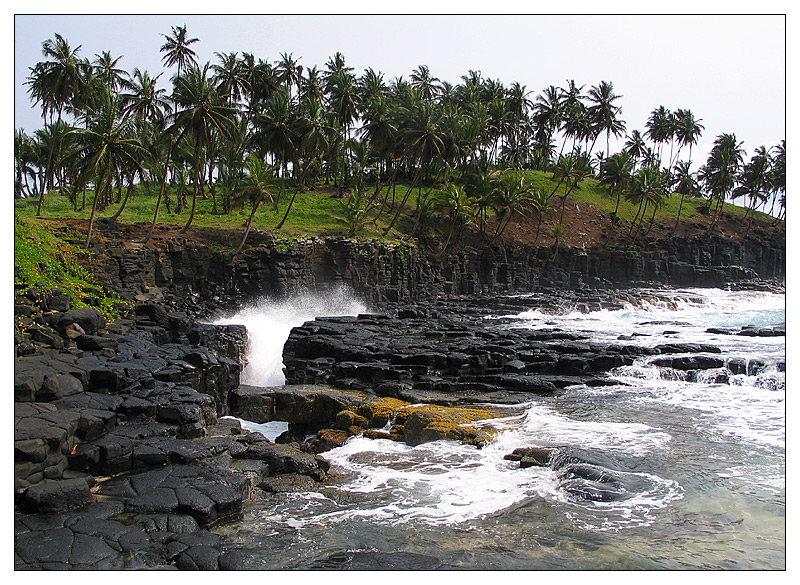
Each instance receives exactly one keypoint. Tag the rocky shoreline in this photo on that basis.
(124, 452)
(123, 458)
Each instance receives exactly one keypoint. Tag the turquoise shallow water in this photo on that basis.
(709, 459)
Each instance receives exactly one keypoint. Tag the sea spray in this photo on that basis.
(269, 322)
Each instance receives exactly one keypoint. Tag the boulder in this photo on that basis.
(90, 320)
(58, 495)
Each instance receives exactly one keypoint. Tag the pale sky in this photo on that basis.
(730, 70)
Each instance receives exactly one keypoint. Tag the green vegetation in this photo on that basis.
(245, 143)
(44, 261)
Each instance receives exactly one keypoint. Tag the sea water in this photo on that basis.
(708, 457)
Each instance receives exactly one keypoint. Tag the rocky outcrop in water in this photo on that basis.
(454, 356)
(582, 474)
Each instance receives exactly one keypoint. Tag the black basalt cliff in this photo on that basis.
(377, 272)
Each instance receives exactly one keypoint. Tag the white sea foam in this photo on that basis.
(269, 323)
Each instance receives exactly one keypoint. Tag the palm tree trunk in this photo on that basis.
(294, 195)
(160, 197)
(678, 217)
(256, 205)
(420, 208)
(196, 187)
(403, 202)
(97, 195)
(48, 170)
(124, 202)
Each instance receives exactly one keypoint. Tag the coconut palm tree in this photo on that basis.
(684, 183)
(144, 100)
(719, 173)
(106, 72)
(342, 94)
(59, 83)
(422, 141)
(635, 146)
(615, 174)
(513, 197)
(603, 112)
(777, 175)
(231, 76)
(454, 202)
(199, 111)
(754, 180)
(176, 49)
(274, 133)
(539, 203)
(288, 71)
(660, 128)
(688, 130)
(311, 84)
(371, 86)
(313, 128)
(547, 113)
(422, 80)
(255, 186)
(646, 187)
(107, 145)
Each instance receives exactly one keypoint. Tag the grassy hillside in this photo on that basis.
(321, 213)
(44, 261)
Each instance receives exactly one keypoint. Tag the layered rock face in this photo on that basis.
(194, 274)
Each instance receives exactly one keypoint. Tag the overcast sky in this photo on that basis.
(730, 70)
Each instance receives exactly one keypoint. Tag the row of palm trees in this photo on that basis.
(244, 130)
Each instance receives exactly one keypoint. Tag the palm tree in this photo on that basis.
(24, 162)
(107, 145)
(684, 183)
(314, 133)
(422, 142)
(144, 100)
(200, 111)
(106, 71)
(275, 133)
(687, 130)
(255, 186)
(422, 80)
(646, 187)
(777, 175)
(311, 85)
(454, 202)
(720, 171)
(754, 180)
(176, 49)
(512, 198)
(288, 71)
(660, 127)
(342, 93)
(58, 83)
(615, 174)
(603, 112)
(540, 204)
(371, 86)
(547, 113)
(635, 146)
(231, 76)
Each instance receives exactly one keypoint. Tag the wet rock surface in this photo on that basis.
(455, 355)
(121, 459)
(584, 474)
